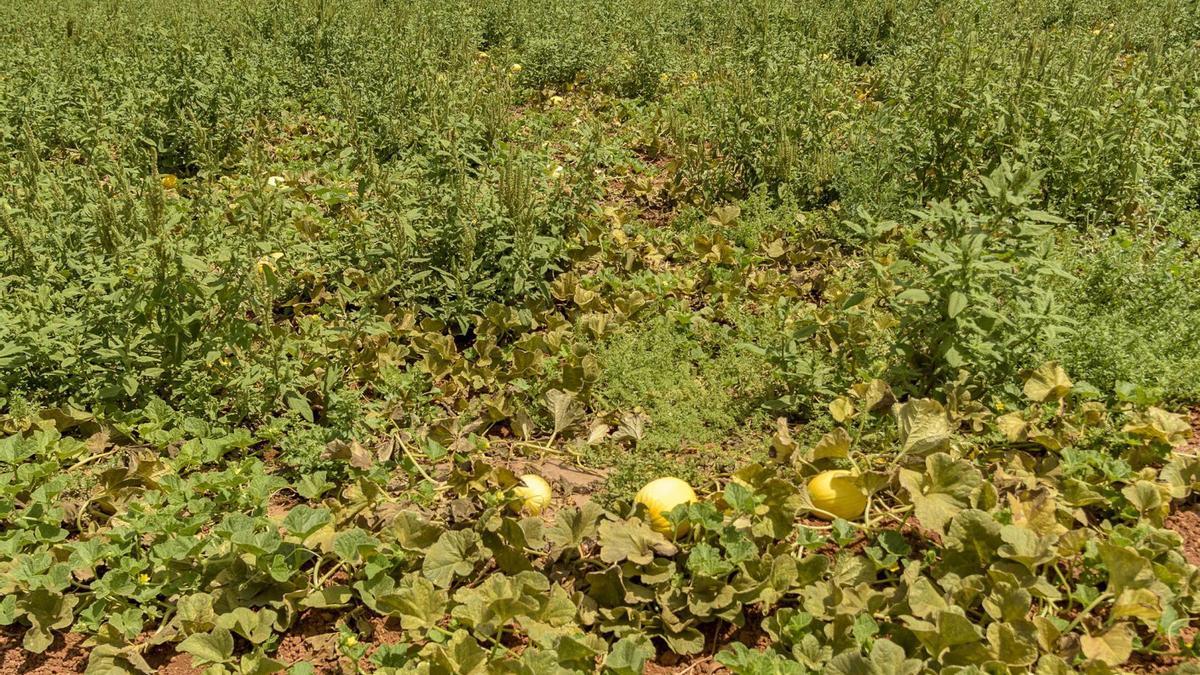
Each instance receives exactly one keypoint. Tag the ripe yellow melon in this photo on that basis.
(837, 494)
(535, 493)
(661, 495)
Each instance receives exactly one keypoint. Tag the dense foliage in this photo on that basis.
(294, 290)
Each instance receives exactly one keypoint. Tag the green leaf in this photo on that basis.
(924, 426)
(453, 555)
(209, 648)
(740, 497)
(461, 655)
(302, 520)
(572, 527)
(942, 491)
(705, 560)
(299, 405)
(835, 444)
(914, 295)
(564, 409)
(1047, 383)
(354, 545)
(1138, 603)
(1010, 646)
(333, 596)
(632, 540)
(629, 655)
(1126, 567)
(1112, 648)
(956, 304)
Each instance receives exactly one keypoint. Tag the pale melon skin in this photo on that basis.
(535, 493)
(836, 494)
(661, 495)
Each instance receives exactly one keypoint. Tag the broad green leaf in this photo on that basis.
(629, 655)
(1159, 425)
(565, 410)
(706, 560)
(461, 655)
(835, 444)
(333, 596)
(956, 304)
(419, 604)
(942, 491)
(1047, 383)
(1010, 646)
(740, 498)
(302, 520)
(1126, 567)
(1138, 603)
(1112, 647)
(573, 526)
(924, 426)
(209, 648)
(454, 554)
(354, 544)
(631, 540)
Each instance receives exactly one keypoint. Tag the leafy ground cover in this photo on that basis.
(295, 291)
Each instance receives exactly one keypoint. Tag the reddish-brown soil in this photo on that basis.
(1186, 523)
(1193, 445)
(165, 660)
(66, 655)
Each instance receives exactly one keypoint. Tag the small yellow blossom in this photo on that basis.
(556, 100)
(351, 641)
(267, 261)
(169, 181)
(515, 68)
(143, 579)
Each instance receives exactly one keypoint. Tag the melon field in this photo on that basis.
(600, 336)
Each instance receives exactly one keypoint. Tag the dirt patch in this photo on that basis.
(65, 655)
(1186, 524)
(313, 640)
(577, 479)
(1192, 446)
(164, 659)
(717, 638)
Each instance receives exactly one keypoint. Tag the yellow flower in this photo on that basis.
(664, 77)
(556, 100)
(515, 68)
(143, 579)
(169, 181)
(351, 641)
(267, 261)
